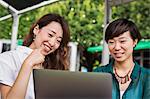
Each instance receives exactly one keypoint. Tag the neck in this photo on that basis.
(124, 65)
(32, 46)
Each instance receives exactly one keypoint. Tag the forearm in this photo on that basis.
(18, 90)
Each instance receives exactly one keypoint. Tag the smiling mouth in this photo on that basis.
(47, 48)
(118, 55)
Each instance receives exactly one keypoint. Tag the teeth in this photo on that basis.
(47, 48)
(118, 54)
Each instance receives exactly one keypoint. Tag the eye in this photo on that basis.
(110, 42)
(50, 35)
(58, 41)
(123, 41)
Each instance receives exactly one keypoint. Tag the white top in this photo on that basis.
(121, 94)
(10, 64)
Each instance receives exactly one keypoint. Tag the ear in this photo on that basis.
(36, 29)
(135, 42)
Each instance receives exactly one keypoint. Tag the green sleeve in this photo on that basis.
(146, 94)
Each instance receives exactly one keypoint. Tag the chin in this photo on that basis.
(119, 59)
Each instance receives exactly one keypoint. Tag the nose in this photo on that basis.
(117, 46)
(52, 42)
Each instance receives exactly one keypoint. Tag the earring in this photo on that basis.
(34, 37)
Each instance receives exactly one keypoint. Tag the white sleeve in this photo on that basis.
(7, 69)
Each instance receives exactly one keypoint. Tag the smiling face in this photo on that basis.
(121, 47)
(49, 37)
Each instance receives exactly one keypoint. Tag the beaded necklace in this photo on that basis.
(124, 79)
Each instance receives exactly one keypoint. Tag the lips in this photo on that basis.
(47, 48)
(118, 55)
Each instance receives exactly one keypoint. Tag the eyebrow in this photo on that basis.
(119, 38)
(123, 38)
(54, 32)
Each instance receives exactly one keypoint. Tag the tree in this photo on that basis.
(138, 11)
(5, 26)
(85, 19)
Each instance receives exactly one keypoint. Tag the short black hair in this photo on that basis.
(119, 26)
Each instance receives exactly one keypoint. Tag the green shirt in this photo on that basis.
(139, 88)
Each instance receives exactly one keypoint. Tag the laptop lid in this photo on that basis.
(56, 84)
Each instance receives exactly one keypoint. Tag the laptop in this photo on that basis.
(56, 84)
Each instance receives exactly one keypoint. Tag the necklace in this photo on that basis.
(124, 79)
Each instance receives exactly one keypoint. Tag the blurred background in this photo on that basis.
(87, 20)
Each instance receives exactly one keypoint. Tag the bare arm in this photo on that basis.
(19, 88)
(4, 90)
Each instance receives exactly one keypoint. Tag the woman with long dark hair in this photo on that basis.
(45, 47)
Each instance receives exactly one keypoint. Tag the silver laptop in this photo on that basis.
(56, 84)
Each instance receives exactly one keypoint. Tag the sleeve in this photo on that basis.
(147, 86)
(7, 69)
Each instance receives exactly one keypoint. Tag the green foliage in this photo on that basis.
(26, 21)
(3, 11)
(5, 29)
(139, 12)
(5, 26)
(85, 18)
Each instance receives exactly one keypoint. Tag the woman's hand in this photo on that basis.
(36, 58)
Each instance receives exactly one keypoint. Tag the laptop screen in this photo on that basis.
(56, 84)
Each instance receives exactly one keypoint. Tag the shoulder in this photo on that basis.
(10, 59)
(140, 70)
(104, 68)
(6, 56)
(19, 53)
(145, 75)
(9, 54)
(145, 71)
